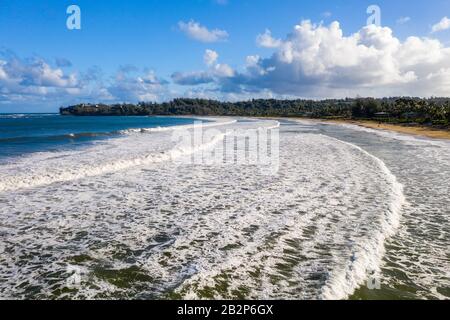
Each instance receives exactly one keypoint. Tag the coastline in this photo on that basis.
(98, 170)
(415, 130)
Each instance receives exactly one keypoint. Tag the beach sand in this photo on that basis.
(406, 129)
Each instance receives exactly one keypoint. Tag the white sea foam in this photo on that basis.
(368, 256)
(357, 258)
(175, 229)
(25, 115)
(214, 123)
(49, 171)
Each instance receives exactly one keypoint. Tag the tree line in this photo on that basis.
(432, 111)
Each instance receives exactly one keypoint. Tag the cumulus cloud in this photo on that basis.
(215, 73)
(36, 81)
(222, 71)
(21, 80)
(266, 40)
(129, 87)
(442, 25)
(312, 61)
(319, 61)
(196, 31)
(210, 57)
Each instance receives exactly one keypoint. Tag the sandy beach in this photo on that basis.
(407, 129)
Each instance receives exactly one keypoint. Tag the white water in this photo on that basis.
(139, 225)
(97, 161)
(417, 261)
(369, 257)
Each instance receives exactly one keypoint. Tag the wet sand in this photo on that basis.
(406, 129)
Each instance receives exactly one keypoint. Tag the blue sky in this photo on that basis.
(156, 50)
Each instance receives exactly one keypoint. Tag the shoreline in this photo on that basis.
(415, 130)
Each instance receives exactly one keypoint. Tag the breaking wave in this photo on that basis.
(367, 257)
(53, 170)
(138, 225)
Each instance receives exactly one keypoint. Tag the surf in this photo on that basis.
(200, 232)
(367, 257)
(73, 171)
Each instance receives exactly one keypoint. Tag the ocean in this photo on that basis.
(347, 212)
(21, 134)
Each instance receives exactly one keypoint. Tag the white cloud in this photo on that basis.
(319, 61)
(442, 25)
(210, 57)
(223, 71)
(200, 33)
(128, 87)
(313, 61)
(216, 71)
(35, 81)
(23, 80)
(38, 73)
(316, 60)
(266, 40)
(252, 61)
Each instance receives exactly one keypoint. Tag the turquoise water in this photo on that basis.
(27, 133)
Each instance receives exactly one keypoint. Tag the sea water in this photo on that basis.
(27, 133)
(351, 213)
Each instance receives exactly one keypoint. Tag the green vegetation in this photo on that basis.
(433, 111)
